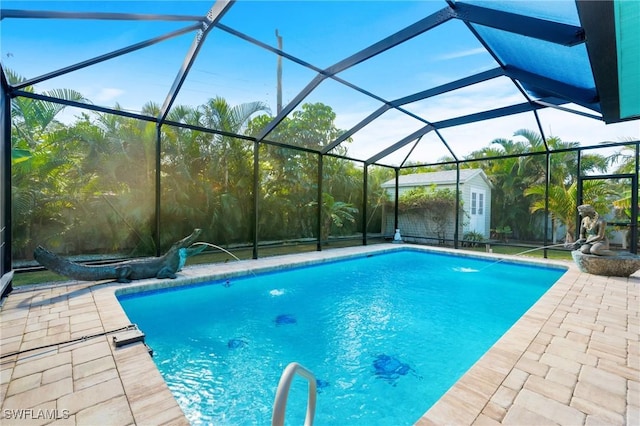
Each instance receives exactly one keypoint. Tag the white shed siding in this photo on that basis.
(477, 182)
(469, 179)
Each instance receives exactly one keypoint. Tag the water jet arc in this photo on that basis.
(217, 247)
(518, 254)
(222, 249)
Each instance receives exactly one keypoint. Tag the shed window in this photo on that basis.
(473, 202)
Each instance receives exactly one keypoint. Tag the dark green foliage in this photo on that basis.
(472, 239)
(436, 206)
(89, 187)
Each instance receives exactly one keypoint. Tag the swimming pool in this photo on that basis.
(386, 335)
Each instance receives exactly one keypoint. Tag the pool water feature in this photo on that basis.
(386, 335)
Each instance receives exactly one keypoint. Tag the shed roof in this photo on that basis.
(444, 177)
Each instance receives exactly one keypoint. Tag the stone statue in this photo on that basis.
(164, 266)
(593, 239)
(591, 252)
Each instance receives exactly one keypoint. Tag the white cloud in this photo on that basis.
(107, 94)
(462, 54)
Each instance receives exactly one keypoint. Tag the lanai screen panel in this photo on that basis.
(206, 183)
(467, 139)
(342, 189)
(390, 127)
(316, 36)
(87, 189)
(324, 32)
(429, 150)
(468, 100)
(553, 10)
(627, 16)
(137, 82)
(34, 48)
(328, 112)
(239, 72)
(439, 55)
(288, 195)
(585, 130)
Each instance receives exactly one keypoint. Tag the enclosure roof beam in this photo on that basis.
(446, 145)
(291, 106)
(490, 114)
(216, 13)
(448, 87)
(265, 46)
(106, 56)
(413, 30)
(297, 61)
(406, 158)
(454, 85)
(524, 154)
(554, 32)
(314, 83)
(584, 97)
(41, 14)
(572, 111)
(598, 20)
(3, 80)
(408, 139)
(82, 105)
(457, 121)
(346, 135)
(381, 46)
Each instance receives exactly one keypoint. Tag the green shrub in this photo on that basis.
(472, 238)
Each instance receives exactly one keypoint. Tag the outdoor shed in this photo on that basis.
(475, 195)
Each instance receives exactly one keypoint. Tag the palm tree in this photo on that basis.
(33, 117)
(335, 213)
(288, 179)
(510, 178)
(563, 204)
(378, 198)
(624, 162)
(42, 159)
(207, 178)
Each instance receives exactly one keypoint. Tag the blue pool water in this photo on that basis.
(386, 335)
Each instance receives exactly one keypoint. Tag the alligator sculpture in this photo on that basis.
(161, 267)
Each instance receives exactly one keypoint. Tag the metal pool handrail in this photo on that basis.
(282, 394)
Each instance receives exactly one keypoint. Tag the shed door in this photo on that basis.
(477, 211)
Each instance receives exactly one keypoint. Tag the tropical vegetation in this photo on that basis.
(435, 207)
(519, 181)
(88, 185)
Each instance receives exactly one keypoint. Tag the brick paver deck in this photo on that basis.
(572, 359)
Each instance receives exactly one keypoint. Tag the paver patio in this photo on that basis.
(572, 359)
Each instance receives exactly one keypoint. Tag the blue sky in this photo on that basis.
(321, 33)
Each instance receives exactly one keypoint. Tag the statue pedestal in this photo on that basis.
(621, 264)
